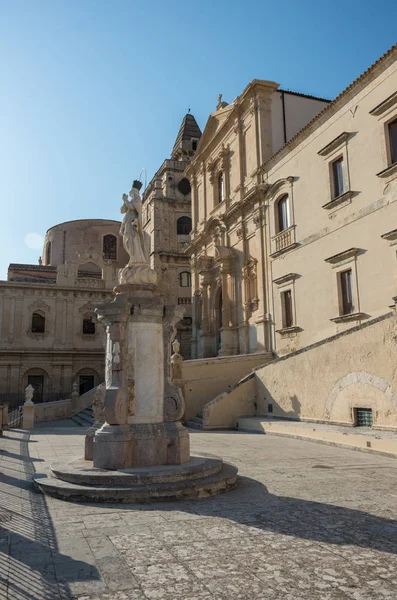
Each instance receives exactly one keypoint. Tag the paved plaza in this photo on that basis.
(308, 521)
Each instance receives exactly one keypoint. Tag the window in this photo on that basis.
(338, 177)
(48, 254)
(393, 141)
(363, 417)
(220, 188)
(86, 383)
(283, 213)
(184, 186)
(110, 247)
(88, 326)
(183, 226)
(194, 145)
(286, 302)
(346, 292)
(185, 279)
(38, 323)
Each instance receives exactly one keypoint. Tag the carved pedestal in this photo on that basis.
(135, 433)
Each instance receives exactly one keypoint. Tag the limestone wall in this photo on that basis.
(327, 380)
(205, 379)
(52, 411)
(224, 410)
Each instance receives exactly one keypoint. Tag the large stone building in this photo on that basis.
(294, 215)
(48, 332)
(167, 222)
(229, 248)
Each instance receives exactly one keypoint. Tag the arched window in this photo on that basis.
(220, 188)
(283, 213)
(38, 322)
(109, 247)
(185, 279)
(48, 254)
(183, 226)
(88, 325)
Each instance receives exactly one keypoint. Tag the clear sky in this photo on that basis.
(92, 91)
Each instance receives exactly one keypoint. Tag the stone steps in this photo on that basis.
(191, 484)
(195, 422)
(85, 418)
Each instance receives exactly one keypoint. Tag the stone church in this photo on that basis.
(49, 336)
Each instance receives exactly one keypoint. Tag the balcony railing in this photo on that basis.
(184, 300)
(284, 239)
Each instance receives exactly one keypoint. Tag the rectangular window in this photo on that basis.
(286, 301)
(338, 176)
(88, 326)
(346, 292)
(393, 141)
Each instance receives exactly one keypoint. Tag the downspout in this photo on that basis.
(284, 120)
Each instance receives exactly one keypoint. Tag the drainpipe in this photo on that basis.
(284, 121)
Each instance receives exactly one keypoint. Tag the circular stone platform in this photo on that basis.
(79, 481)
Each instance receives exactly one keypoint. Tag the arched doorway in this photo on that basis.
(87, 379)
(38, 379)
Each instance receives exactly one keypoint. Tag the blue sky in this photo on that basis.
(94, 90)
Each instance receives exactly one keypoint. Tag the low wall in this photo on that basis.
(53, 411)
(224, 410)
(206, 378)
(328, 380)
(86, 400)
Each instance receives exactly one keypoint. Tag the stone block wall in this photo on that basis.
(328, 380)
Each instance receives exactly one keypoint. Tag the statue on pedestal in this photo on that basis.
(137, 270)
(131, 227)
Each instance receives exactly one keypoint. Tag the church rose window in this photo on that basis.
(183, 226)
(110, 247)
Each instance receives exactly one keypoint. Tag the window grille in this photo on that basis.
(363, 417)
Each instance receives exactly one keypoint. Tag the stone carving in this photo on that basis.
(137, 270)
(98, 407)
(29, 395)
(131, 227)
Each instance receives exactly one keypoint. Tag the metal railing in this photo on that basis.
(15, 417)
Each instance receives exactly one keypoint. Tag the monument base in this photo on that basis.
(140, 445)
(80, 481)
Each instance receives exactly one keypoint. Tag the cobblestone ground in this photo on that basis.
(307, 522)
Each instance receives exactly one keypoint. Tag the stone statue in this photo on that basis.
(137, 271)
(131, 227)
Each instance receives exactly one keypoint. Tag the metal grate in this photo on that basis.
(364, 417)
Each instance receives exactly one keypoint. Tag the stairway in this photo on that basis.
(85, 418)
(195, 422)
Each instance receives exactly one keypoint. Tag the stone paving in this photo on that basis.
(307, 522)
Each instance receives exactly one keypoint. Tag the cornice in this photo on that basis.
(341, 256)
